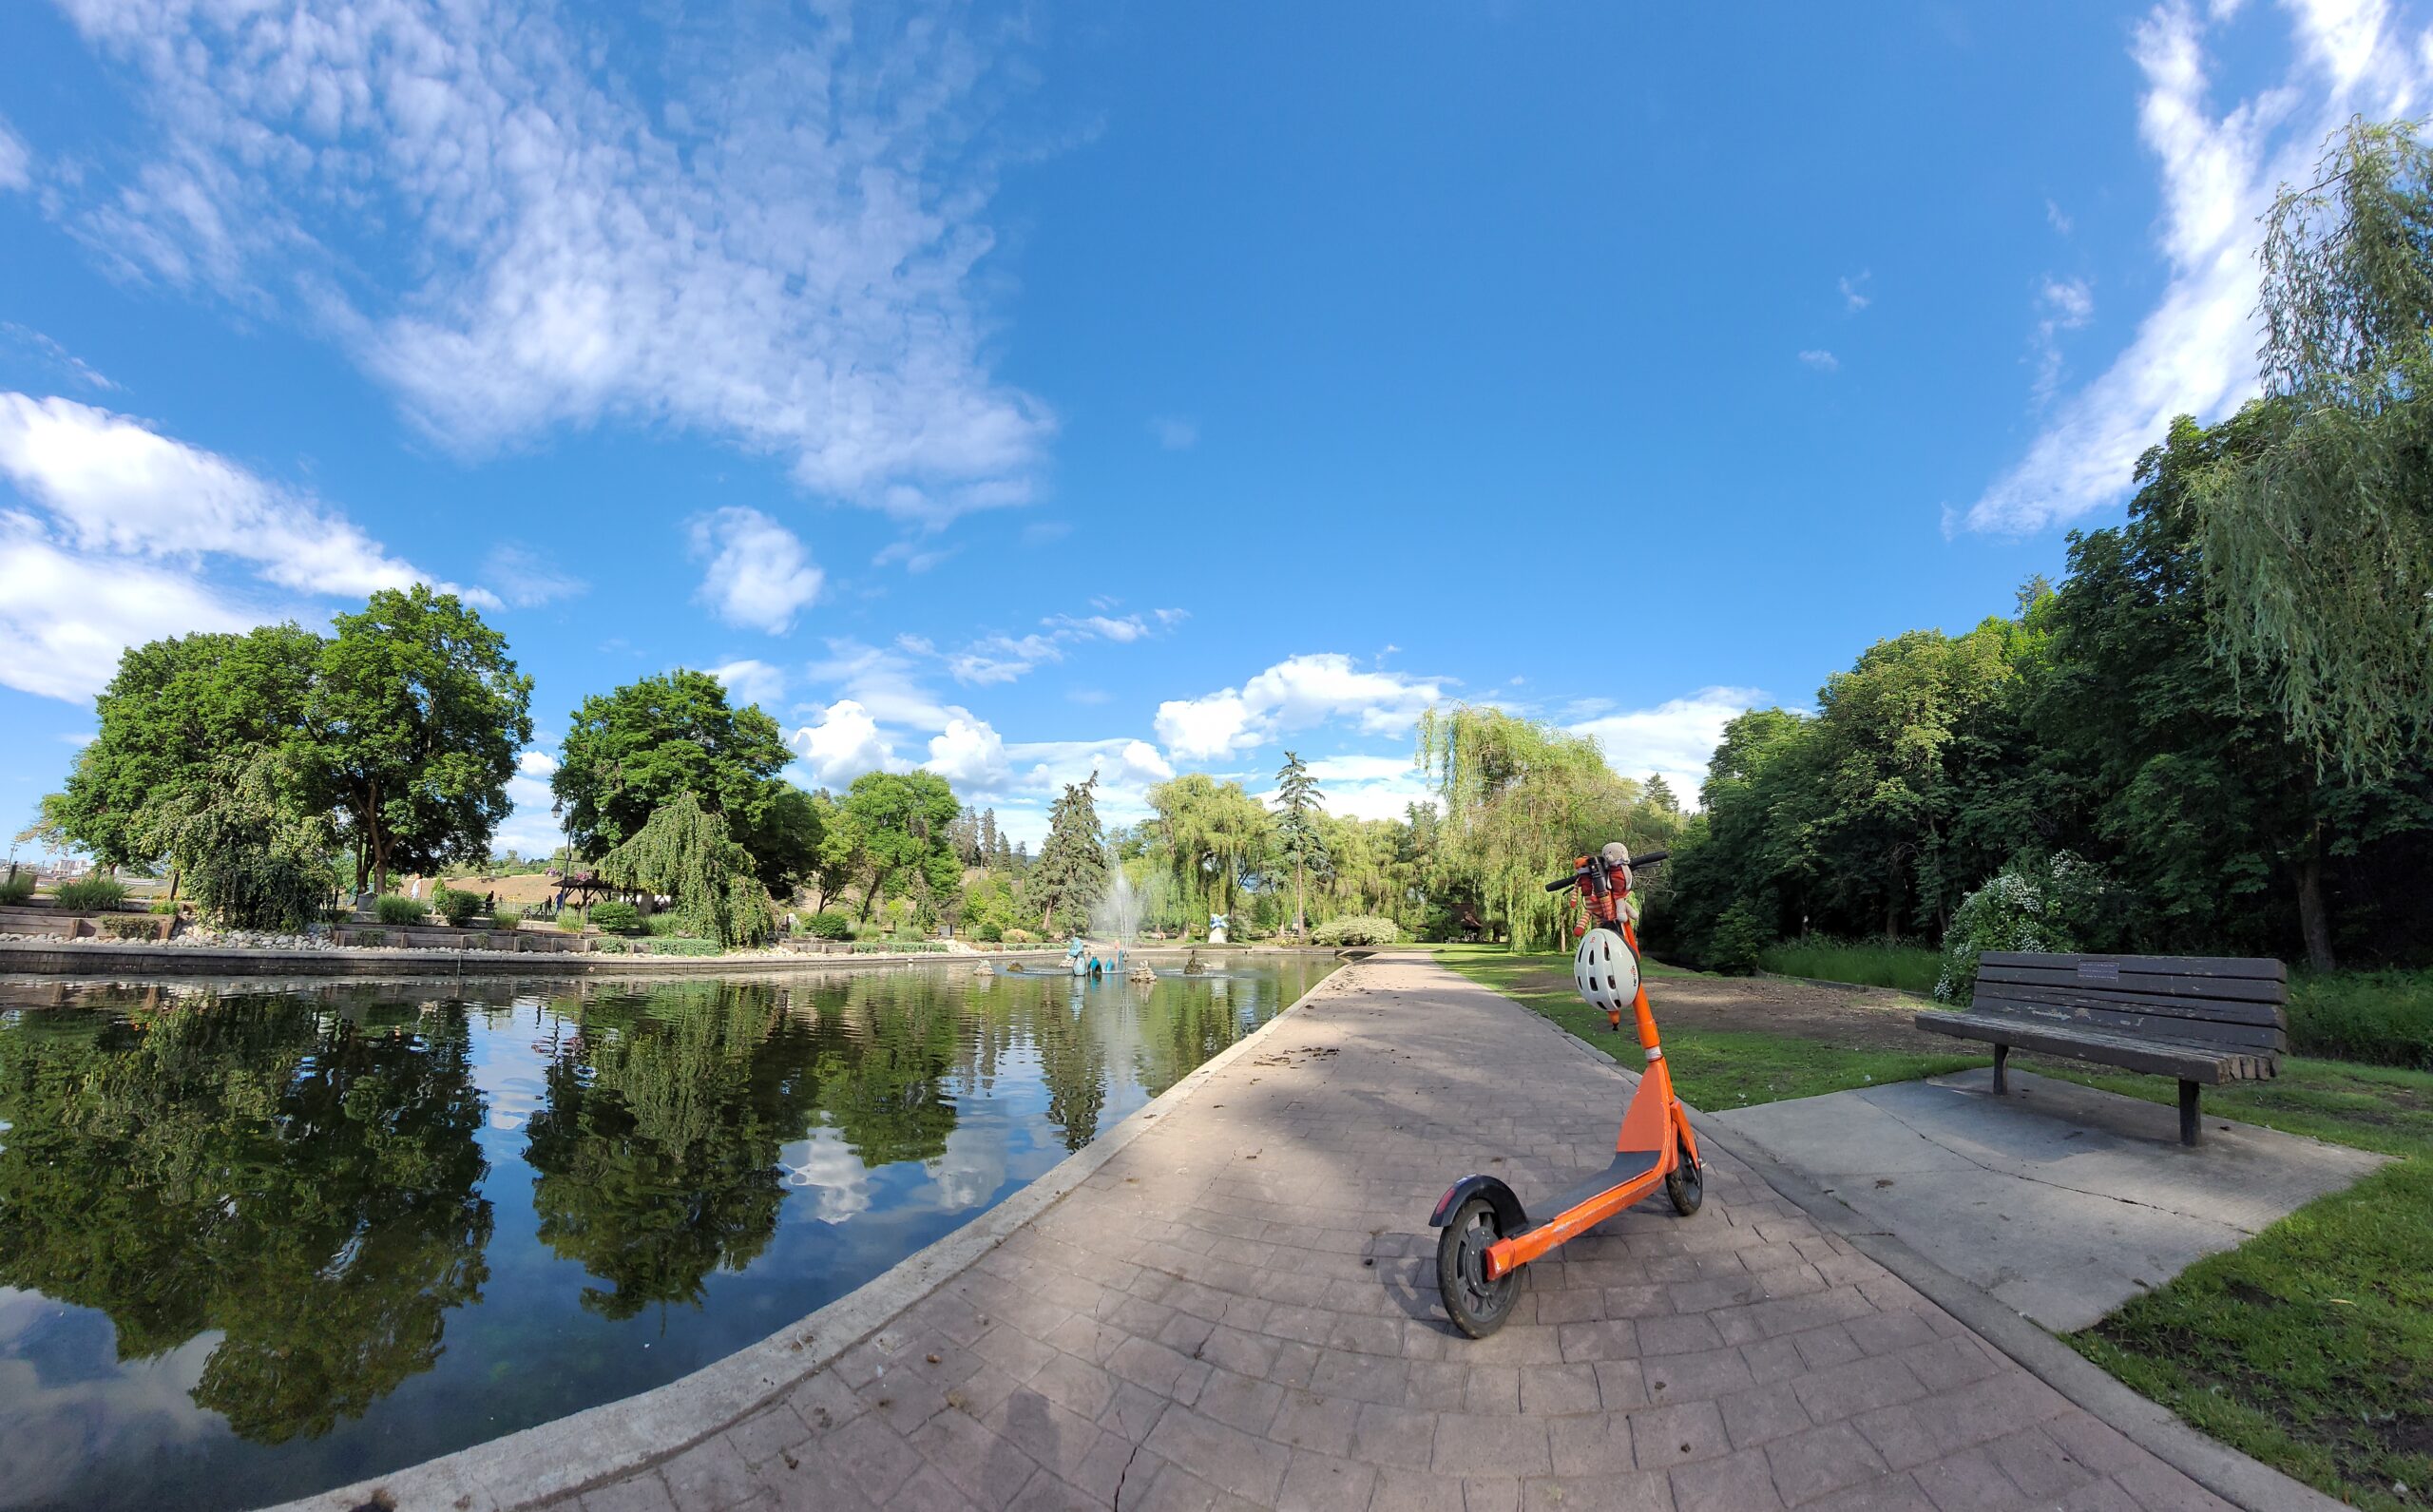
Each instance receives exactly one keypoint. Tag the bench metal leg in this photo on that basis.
(2002, 1066)
(2189, 1124)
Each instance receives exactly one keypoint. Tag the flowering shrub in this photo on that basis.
(2050, 906)
(1358, 930)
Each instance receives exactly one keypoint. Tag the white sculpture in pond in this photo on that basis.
(1217, 928)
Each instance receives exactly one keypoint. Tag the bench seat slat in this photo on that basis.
(2256, 968)
(2099, 995)
(2188, 1062)
(2137, 1022)
(2241, 989)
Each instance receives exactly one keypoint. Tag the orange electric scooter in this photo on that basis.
(1488, 1237)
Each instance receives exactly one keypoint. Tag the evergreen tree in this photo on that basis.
(1298, 803)
(1071, 873)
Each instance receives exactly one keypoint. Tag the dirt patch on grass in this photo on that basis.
(1859, 1021)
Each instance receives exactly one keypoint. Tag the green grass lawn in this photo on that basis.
(2384, 1017)
(1871, 963)
(2309, 1347)
(1712, 1069)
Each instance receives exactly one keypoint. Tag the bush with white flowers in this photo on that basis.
(2048, 905)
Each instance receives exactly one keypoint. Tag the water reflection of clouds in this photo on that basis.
(512, 1071)
(66, 1400)
(838, 1183)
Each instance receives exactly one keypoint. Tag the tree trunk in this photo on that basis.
(2314, 920)
(1300, 910)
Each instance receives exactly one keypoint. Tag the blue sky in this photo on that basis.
(1147, 387)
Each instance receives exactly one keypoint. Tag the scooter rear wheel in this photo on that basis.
(1685, 1184)
(1476, 1305)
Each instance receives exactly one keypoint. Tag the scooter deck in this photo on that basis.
(1629, 1165)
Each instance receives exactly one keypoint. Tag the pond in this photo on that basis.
(255, 1242)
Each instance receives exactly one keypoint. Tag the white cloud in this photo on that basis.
(66, 616)
(784, 258)
(751, 681)
(886, 682)
(969, 754)
(537, 764)
(113, 485)
(2059, 217)
(1675, 739)
(1175, 435)
(2195, 352)
(2064, 305)
(1822, 361)
(16, 160)
(845, 743)
(1295, 694)
(524, 580)
(1854, 295)
(759, 576)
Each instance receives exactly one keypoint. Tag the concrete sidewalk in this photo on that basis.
(2063, 1201)
(1239, 1309)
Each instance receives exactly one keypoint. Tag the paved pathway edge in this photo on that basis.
(603, 1444)
(2233, 1476)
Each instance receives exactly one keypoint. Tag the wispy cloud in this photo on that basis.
(749, 681)
(2061, 305)
(1175, 435)
(782, 255)
(760, 575)
(1821, 360)
(2059, 217)
(2195, 352)
(1854, 295)
(16, 159)
(52, 354)
(524, 579)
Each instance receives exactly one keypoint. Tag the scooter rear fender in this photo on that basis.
(1509, 1216)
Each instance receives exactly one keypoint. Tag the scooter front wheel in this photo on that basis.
(1476, 1305)
(1685, 1184)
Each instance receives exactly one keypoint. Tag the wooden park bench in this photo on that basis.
(2201, 1019)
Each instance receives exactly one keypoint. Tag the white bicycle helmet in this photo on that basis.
(1605, 971)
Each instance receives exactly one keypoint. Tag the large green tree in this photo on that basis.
(898, 823)
(2317, 536)
(414, 721)
(629, 753)
(178, 721)
(1070, 876)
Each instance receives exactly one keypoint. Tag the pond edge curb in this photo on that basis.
(588, 1449)
(2236, 1478)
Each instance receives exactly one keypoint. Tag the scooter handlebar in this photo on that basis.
(1650, 859)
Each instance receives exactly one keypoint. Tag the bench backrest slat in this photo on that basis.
(2221, 1010)
(2232, 1004)
(2230, 967)
(2140, 1023)
(2107, 979)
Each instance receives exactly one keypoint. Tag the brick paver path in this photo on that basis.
(1239, 1309)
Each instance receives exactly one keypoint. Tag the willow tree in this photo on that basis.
(684, 853)
(2318, 544)
(1211, 835)
(1521, 799)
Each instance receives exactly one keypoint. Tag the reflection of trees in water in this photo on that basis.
(301, 1180)
(1072, 1061)
(881, 1081)
(655, 1153)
